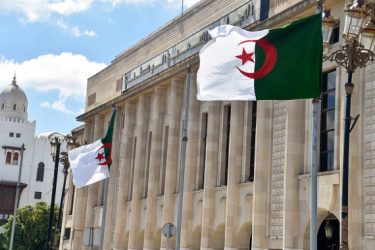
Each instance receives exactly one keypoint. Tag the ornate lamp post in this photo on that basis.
(56, 140)
(355, 53)
(70, 143)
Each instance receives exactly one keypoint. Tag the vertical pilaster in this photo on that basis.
(124, 172)
(157, 115)
(93, 188)
(234, 174)
(294, 152)
(135, 242)
(174, 115)
(261, 175)
(190, 169)
(113, 180)
(212, 149)
(80, 202)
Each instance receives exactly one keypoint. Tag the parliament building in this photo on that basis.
(247, 170)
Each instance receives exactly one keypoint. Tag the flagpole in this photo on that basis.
(314, 163)
(182, 158)
(313, 173)
(16, 200)
(105, 195)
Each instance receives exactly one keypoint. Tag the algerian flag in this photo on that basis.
(91, 163)
(276, 64)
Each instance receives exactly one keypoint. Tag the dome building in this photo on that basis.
(37, 164)
(13, 102)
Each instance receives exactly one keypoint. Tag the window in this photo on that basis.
(14, 106)
(91, 99)
(131, 175)
(8, 158)
(38, 195)
(11, 134)
(252, 142)
(15, 158)
(72, 201)
(225, 146)
(163, 161)
(119, 84)
(18, 135)
(67, 233)
(40, 172)
(327, 123)
(2, 106)
(202, 152)
(147, 165)
(335, 34)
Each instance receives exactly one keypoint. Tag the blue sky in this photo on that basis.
(55, 45)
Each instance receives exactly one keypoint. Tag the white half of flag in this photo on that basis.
(219, 77)
(85, 164)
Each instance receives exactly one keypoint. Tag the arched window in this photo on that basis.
(14, 106)
(40, 172)
(15, 158)
(2, 106)
(8, 158)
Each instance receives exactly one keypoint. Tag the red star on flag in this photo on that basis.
(245, 56)
(100, 157)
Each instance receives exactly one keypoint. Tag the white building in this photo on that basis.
(38, 166)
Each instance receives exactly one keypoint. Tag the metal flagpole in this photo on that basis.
(16, 200)
(314, 162)
(182, 158)
(313, 173)
(104, 213)
(105, 193)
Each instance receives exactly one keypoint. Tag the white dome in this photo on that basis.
(13, 102)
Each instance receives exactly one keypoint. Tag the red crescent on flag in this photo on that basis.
(269, 62)
(108, 159)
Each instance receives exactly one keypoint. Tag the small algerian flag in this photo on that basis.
(91, 163)
(276, 64)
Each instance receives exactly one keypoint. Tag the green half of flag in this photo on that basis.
(107, 141)
(289, 61)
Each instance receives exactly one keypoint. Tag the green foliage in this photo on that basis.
(31, 228)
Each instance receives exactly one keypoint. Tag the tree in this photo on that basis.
(31, 227)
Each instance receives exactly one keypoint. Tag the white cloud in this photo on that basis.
(187, 3)
(42, 10)
(66, 73)
(117, 2)
(58, 105)
(75, 31)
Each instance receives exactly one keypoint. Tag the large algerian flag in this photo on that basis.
(91, 163)
(276, 64)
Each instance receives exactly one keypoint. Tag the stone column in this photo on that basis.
(174, 116)
(141, 133)
(212, 149)
(93, 188)
(80, 201)
(124, 172)
(234, 175)
(191, 164)
(263, 144)
(157, 115)
(358, 157)
(113, 180)
(294, 160)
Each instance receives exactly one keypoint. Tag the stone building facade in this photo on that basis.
(37, 164)
(247, 178)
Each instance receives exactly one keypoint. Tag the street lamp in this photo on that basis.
(56, 140)
(353, 54)
(70, 144)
